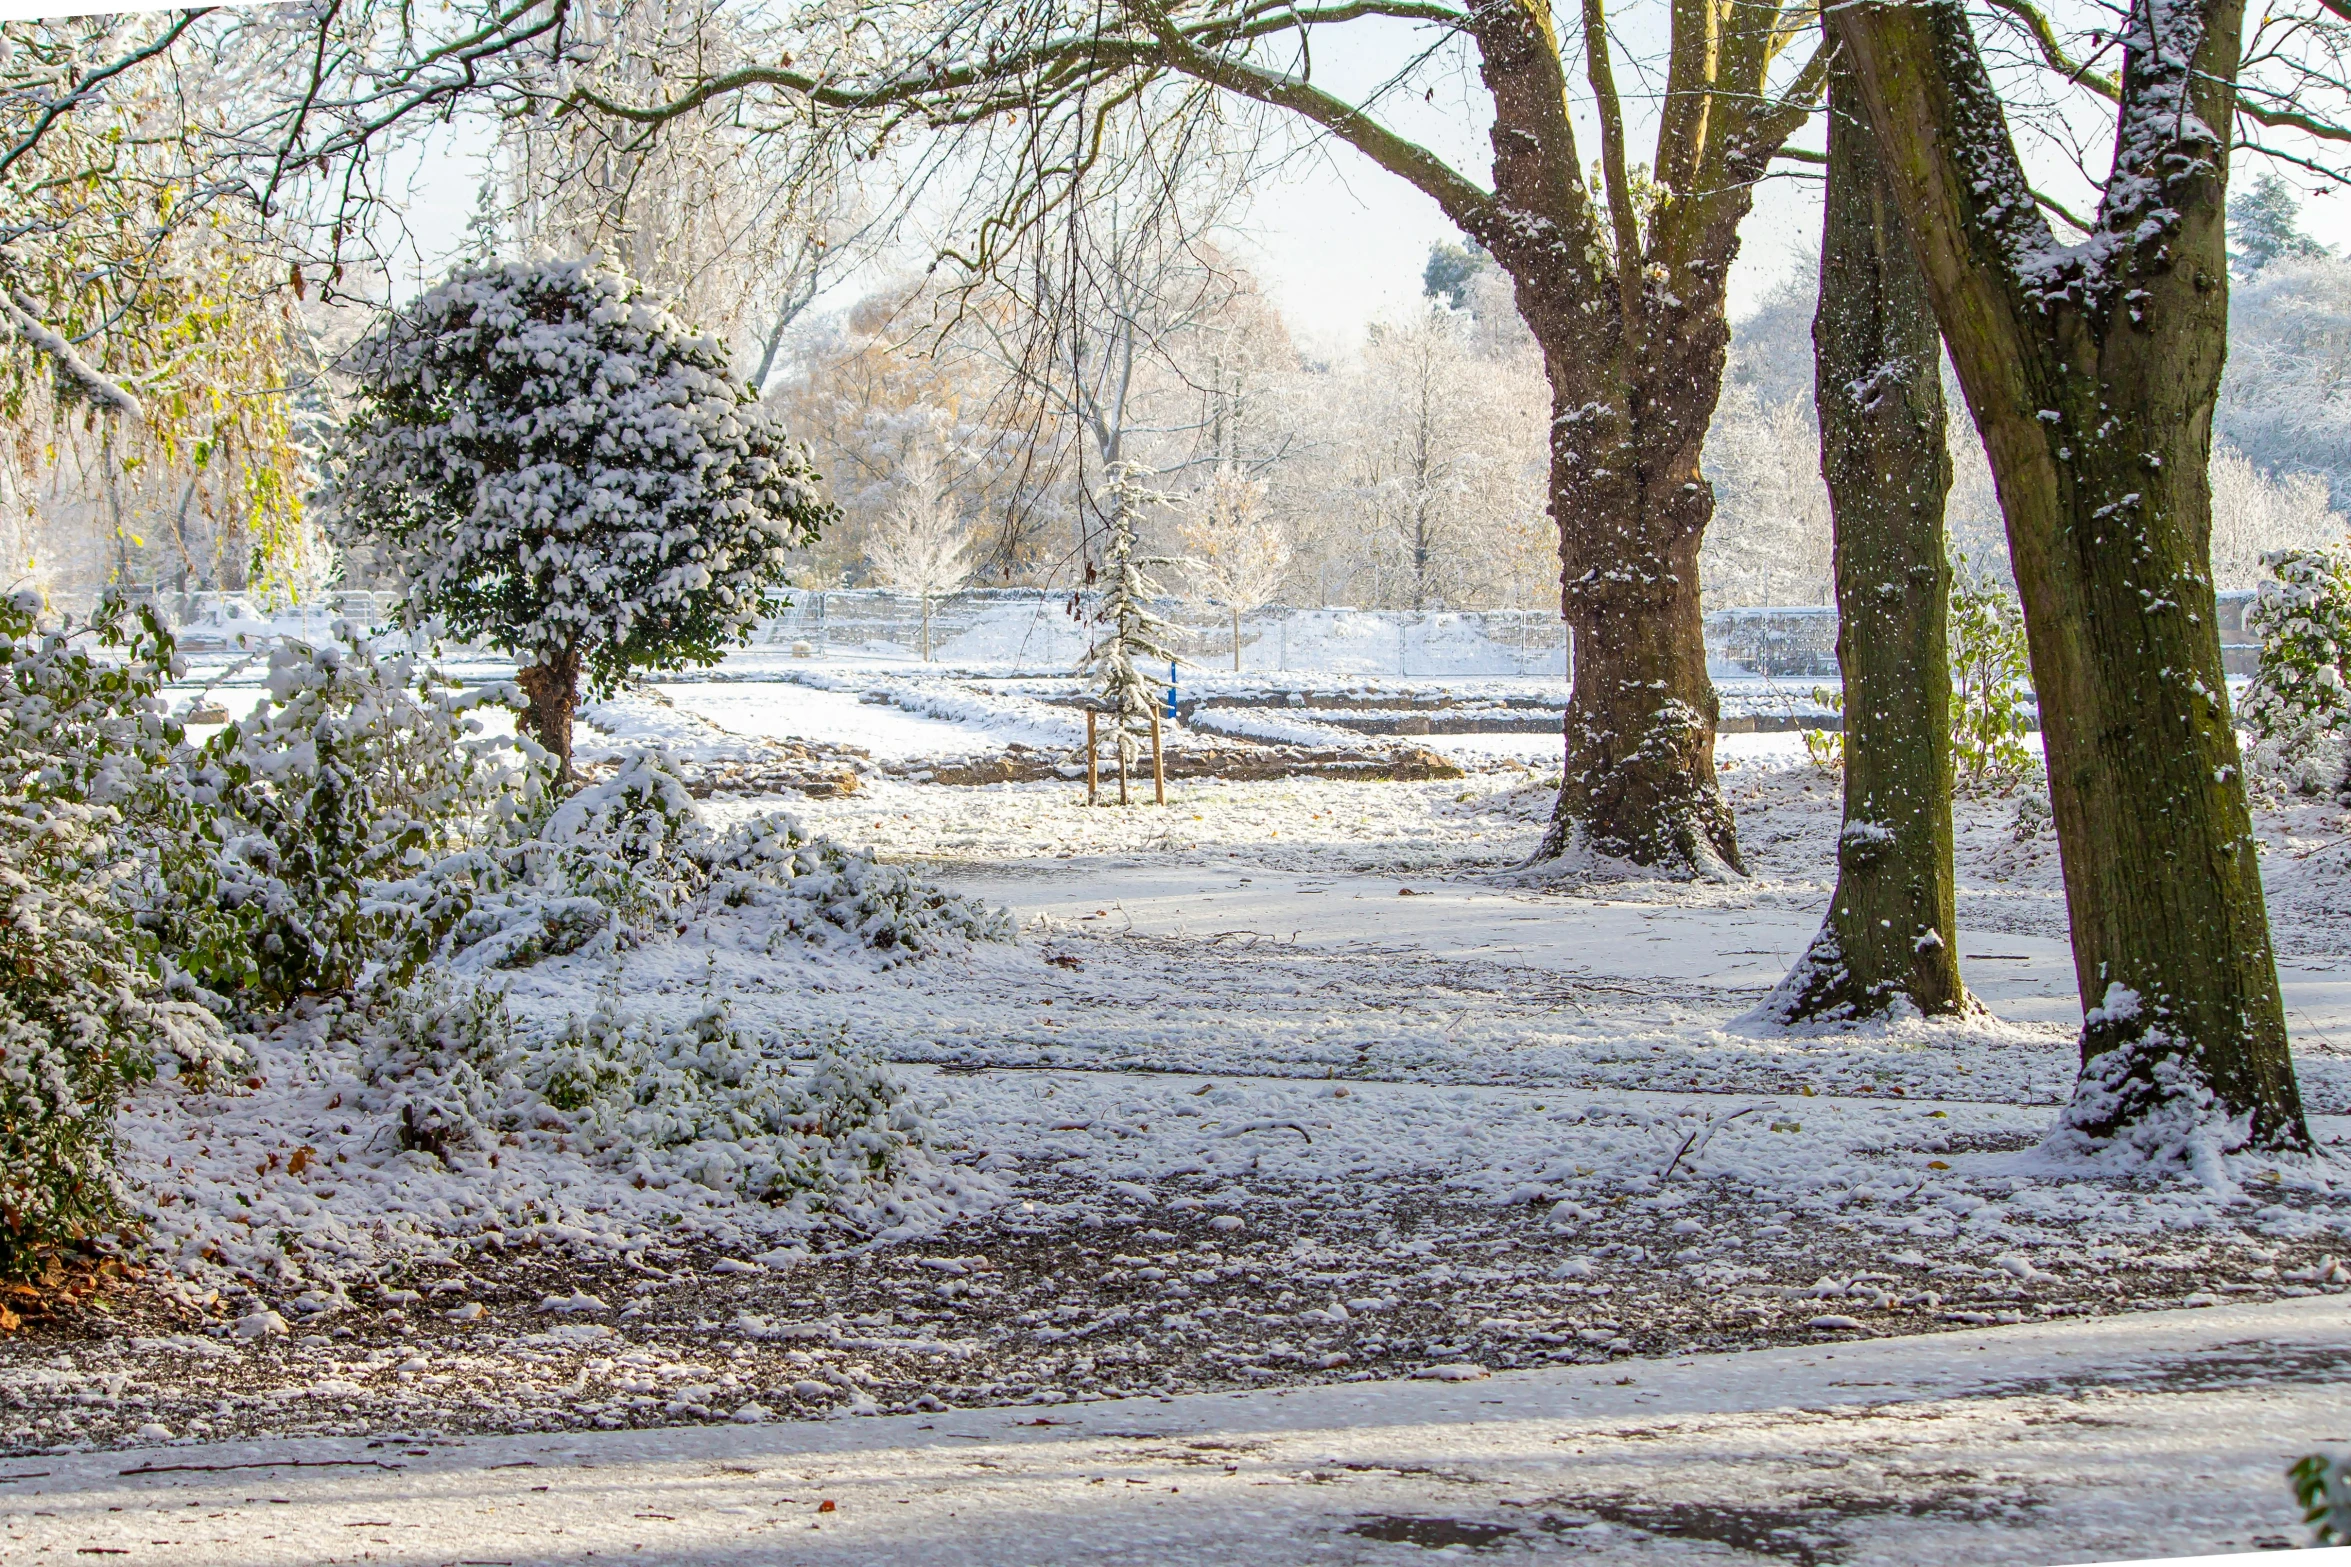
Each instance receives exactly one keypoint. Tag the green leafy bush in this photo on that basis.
(2298, 704)
(84, 756)
(2322, 1484)
(343, 825)
(1991, 682)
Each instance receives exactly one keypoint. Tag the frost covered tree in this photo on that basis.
(2092, 370)
(2286, 399)
(564, 470)
(1130, 633)
(1234, 549)
(2256, 515)
(2263, 223)
(1770, 541)
(922, 546)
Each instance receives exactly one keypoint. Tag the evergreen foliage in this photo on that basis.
(1990, 679)
(1132, 633)
(565, 471)
(2299, 700)
(2263, 221)
(1450, 269)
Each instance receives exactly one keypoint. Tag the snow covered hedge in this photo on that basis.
(359, 826)
(84, 751)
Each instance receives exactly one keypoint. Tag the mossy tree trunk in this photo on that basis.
(1890, 932)
(2092, 371)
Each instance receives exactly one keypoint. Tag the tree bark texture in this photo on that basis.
(2091, 370)
(1629, 311)
(1890, 933)
(551, 691)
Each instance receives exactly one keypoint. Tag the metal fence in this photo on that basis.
(1034, 629)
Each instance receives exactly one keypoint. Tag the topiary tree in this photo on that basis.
(567, 472)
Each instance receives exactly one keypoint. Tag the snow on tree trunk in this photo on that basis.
(551, 692)
(2092, 371)
(1889, 937)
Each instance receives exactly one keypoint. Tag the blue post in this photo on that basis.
(1171, 688)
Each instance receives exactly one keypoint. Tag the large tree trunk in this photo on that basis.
(551, 690)
(2092, 373)
(1634, 351)
(1890, 933)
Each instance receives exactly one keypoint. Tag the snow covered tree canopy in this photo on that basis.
(567, 471)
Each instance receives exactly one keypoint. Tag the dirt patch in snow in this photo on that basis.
(1049, 1301)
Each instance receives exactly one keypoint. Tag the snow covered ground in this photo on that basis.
(2073, 1442)
(1282, 1086)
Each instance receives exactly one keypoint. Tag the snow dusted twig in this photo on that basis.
(1692, 1145)
(1267, 1126)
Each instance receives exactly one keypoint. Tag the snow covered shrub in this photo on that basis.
(623, 842)
(2298, 705)
(630, 858)
(2322, 1484)
(817, 891)
(566, 471)
(345, 825)
(82, 1005)
(1990, 680)
(810, 1123)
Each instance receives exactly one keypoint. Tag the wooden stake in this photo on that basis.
(1119, 731)
(1093, 773)
(1158, 765)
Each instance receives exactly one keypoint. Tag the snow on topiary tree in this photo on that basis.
(2299, 702)
(920, 546)
(565, 471)
(1131, 633)
(1238, 553)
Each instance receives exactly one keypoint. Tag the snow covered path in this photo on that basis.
(2164, 1433)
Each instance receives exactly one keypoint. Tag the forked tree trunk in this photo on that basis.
(2092, 373)
(1625, 297)
(1634, 344)
(551, 691)
(1890, 932)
